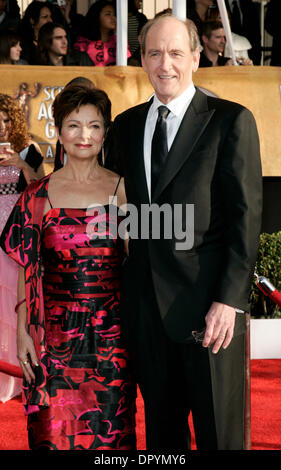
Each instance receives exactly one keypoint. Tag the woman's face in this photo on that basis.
(15, 52)
(82, 133)
(44, 17)
(5, 127)
(107, 18)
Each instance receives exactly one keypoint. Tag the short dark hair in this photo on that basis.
(190, 26)
(209, 26)
(72, 97)
(8, 39)
(81, 81)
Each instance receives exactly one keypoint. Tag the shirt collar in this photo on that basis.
(176, 105)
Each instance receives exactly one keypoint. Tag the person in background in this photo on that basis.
(99, 38)
(20, 163)
(214, 40)
(241, 44)
(9, 15)
(53, 48)
(245, 21)
(10, 48)
(136, 20)
(272, 26)
(78, 388)
(36, 15)
(65, 13)
(198, 11)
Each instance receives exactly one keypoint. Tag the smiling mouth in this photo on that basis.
(166, 77)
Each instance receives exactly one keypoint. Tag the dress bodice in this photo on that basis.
(82, 252)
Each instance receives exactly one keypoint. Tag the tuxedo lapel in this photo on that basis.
(193, 124)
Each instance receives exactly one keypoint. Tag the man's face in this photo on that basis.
(216, 42)
(168, 59)
(59, 42)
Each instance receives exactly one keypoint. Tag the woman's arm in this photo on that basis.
(30, 173)
(25, 345)
(12, 158)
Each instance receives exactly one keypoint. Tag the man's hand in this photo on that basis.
(220, 321)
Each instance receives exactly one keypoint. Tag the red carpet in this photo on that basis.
(266, 412)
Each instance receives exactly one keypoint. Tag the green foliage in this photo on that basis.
(268, 265)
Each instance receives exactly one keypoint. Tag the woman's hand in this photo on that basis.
(26, 354)
(26, 351)
(11, 158)
(65, 9)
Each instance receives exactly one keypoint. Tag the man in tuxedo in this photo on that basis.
(183, 304)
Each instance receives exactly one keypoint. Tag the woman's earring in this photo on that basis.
(102, 156)
(62, 155)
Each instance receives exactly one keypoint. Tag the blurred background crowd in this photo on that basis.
(60, 32)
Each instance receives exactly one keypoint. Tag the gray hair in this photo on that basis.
(190, 26)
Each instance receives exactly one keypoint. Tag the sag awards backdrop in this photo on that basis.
(257, 88)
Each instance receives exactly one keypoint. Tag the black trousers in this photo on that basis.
(176, 379)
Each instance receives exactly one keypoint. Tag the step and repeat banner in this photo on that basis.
(257, 88)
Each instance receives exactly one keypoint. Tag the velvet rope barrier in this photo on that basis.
(10, 369)
(268, 289)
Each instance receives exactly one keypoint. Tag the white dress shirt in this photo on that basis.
(177, 108)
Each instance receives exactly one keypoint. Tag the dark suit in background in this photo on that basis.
(249, 27)
(272, 26)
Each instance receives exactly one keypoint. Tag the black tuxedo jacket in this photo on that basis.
(213, 164)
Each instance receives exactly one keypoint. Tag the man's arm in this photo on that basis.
(241, 189)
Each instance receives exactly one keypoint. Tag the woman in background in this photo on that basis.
(198, 11)
(20, 162)
(99, 38)
(65, 13)
(9, 15)
(10, 48)
(36, 14)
